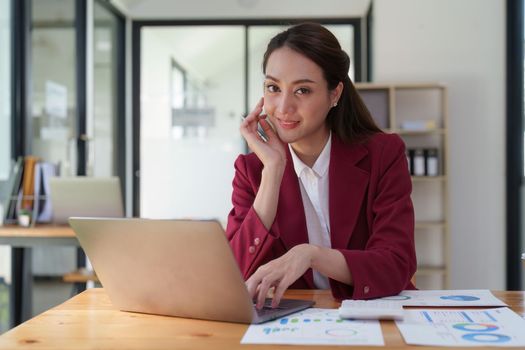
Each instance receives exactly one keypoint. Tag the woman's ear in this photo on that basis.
(336, 92)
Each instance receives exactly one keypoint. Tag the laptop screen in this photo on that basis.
(85, 196)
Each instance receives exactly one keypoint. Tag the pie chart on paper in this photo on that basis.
(459, 297)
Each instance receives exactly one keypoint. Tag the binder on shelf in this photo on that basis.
(28, 189)
(42, 210)
(12, 188)
(419, 162)
(431, 162)
(28, 182)
(423, 161)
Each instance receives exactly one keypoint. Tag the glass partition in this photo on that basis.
(53, 100)
(192, 100)
(53, 90)
(103, 147)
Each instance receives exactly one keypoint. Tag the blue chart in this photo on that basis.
(486, 338)
(481, 333)
(270, 330)
(460, 297)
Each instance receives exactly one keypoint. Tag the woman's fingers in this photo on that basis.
(279, 292)
(249, 126)
(259, 285)
(252, 284)
(265, 285)
(254, 114)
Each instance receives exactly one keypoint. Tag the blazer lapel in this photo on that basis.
(347, 187)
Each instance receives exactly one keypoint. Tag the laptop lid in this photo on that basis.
(85, 196)
(179, 268)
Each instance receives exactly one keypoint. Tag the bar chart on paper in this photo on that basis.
(315, 327)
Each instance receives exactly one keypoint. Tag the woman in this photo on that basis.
(324, 201)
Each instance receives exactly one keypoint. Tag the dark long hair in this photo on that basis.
(350, 119)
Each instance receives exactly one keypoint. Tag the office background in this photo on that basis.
(462, 44)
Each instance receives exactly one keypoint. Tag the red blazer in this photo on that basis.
(371, 217)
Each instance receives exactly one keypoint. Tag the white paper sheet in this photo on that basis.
(315, 327)
(466, 327)
(447, 298)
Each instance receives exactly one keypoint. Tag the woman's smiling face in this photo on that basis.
(296, 97)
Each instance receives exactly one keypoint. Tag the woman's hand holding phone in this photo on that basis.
(268, 147)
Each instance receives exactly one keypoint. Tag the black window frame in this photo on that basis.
(515, 142)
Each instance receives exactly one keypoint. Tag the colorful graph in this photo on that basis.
(481, 332)
(296, 320)
(486, 337)
(475, 327)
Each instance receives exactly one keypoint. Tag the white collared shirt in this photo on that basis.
(314, 192)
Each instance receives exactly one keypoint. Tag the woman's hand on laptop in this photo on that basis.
(280, 273)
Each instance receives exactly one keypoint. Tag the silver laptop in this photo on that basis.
(179, 268)
(85, 196)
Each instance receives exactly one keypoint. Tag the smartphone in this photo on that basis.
(260, 131)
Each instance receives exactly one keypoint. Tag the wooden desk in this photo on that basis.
(88, 321)
(41, 235)
(21, 240)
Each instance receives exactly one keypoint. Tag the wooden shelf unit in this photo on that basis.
(392, 104)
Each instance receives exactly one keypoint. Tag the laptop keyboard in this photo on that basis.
(267, 308)
(286, 306)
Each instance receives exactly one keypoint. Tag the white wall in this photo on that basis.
(462, 44)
